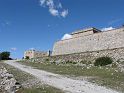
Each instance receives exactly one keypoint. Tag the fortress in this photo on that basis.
(34, 54)
(90, 39)
(92, 42)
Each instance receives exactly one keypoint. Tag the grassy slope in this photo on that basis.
(24, 77)
(104, 76)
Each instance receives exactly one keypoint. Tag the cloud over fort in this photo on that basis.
(55, 8)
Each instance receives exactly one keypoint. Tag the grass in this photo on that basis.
(23, 77)
(2, 60)
(104, 76)
(40, 90)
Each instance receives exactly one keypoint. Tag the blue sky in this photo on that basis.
(26, 24)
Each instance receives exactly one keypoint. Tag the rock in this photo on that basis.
(9, 75)
(18, 85)
(8, 83)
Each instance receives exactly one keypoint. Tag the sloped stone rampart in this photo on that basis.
(94, 42)
(117, 54)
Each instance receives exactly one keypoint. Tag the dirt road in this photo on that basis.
(61, 82)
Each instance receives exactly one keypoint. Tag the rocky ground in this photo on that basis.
(13, 80)
(8, 83)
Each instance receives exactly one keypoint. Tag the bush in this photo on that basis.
(5, 55)
(47, 59)
(85, 62)
(71, 62)
(27, 57)
(53, 62)
(102, 61)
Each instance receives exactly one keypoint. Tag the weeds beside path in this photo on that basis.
(29, 83)
(62, 82)
(104, 76)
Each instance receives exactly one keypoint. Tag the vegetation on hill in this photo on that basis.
(102, 61)
(5, 55)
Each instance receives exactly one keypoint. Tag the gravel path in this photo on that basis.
(66, 84)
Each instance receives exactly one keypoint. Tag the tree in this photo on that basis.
(27, 57)
(5, 55)
(0, 56)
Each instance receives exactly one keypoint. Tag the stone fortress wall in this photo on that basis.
(34, 54)
(89, 40)
(116, 54)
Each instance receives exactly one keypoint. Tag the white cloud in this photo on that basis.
(4, 23)
(7, 23)
(50, 3)
(59, 5)
(55, 8)
(64, 13)
(107, 28)
(54, 12)
(66, 36)
(42, 2)
(13, 49)
(48, 25)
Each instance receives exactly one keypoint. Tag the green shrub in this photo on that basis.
(85, 62)
(71, 62)
(102, 61)
(47, 59)
(114, 65)
(74, 62)
(5, 55)
(53, 62)
(27, 57)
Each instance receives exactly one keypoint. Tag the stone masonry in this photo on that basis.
(34, 54)
(90, 40)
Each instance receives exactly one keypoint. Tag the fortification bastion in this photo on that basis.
(90, 40)
(92, 43)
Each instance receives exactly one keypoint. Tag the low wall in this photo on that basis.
(116, 54)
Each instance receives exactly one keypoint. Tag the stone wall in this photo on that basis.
(82, 34)
(96, 42)
(34, 54)
(85, 32)
(117, 54)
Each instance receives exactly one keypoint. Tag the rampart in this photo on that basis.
(89, 41)
(34, 54)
